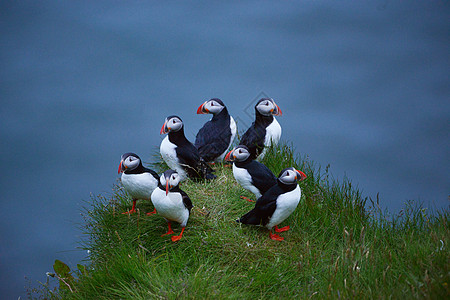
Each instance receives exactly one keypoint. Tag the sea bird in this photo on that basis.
(249, 173)
(172, 203)
(277, 203)
(216, 135)
(265, 130)
(138, 181)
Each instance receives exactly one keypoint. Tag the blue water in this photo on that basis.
(363, 87)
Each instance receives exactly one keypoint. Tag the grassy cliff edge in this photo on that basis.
(339, 245)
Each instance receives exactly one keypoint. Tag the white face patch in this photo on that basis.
(174, 124)
(289, 176)
(265, 107)
(131, 162)
(162, 179)
(174, 179)
(213, 106)
(241, 154)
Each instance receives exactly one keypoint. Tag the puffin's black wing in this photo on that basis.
(189, 158)
(262, 177)
(213, 138)
(186, 200)
(253, 138)
(251, 218)
(202, 136)
(264, 208)
(191, 161)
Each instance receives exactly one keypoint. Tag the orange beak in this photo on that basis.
(302, 175)
(202, 110)
(120, 167)
(278, 111)
(167, 187)
(228, 156)
(164, 129)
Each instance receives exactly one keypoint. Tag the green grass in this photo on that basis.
(340, 245)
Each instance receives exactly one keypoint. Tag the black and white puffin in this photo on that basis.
(172, 203)
(277, 203)
(249, 173)
(137, 180)
(180, 154)
(217, 135)
(265, 130)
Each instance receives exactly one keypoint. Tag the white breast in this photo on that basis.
(245, 180)
(139, 186)
(286, 204)
(171, 207)
(273, 135)
(169, 154)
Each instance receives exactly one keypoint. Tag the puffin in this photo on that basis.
(265, 130)
(249, 173)
(172, 203)
(138, 181)
(180, 154)
(277, 203)
(216, 136)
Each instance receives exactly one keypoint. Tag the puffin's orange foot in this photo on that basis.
(285, 228)
(248, 199)
(151, 213)
(132, 210)
(169, 231)
(176, 238)
(275, 237)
